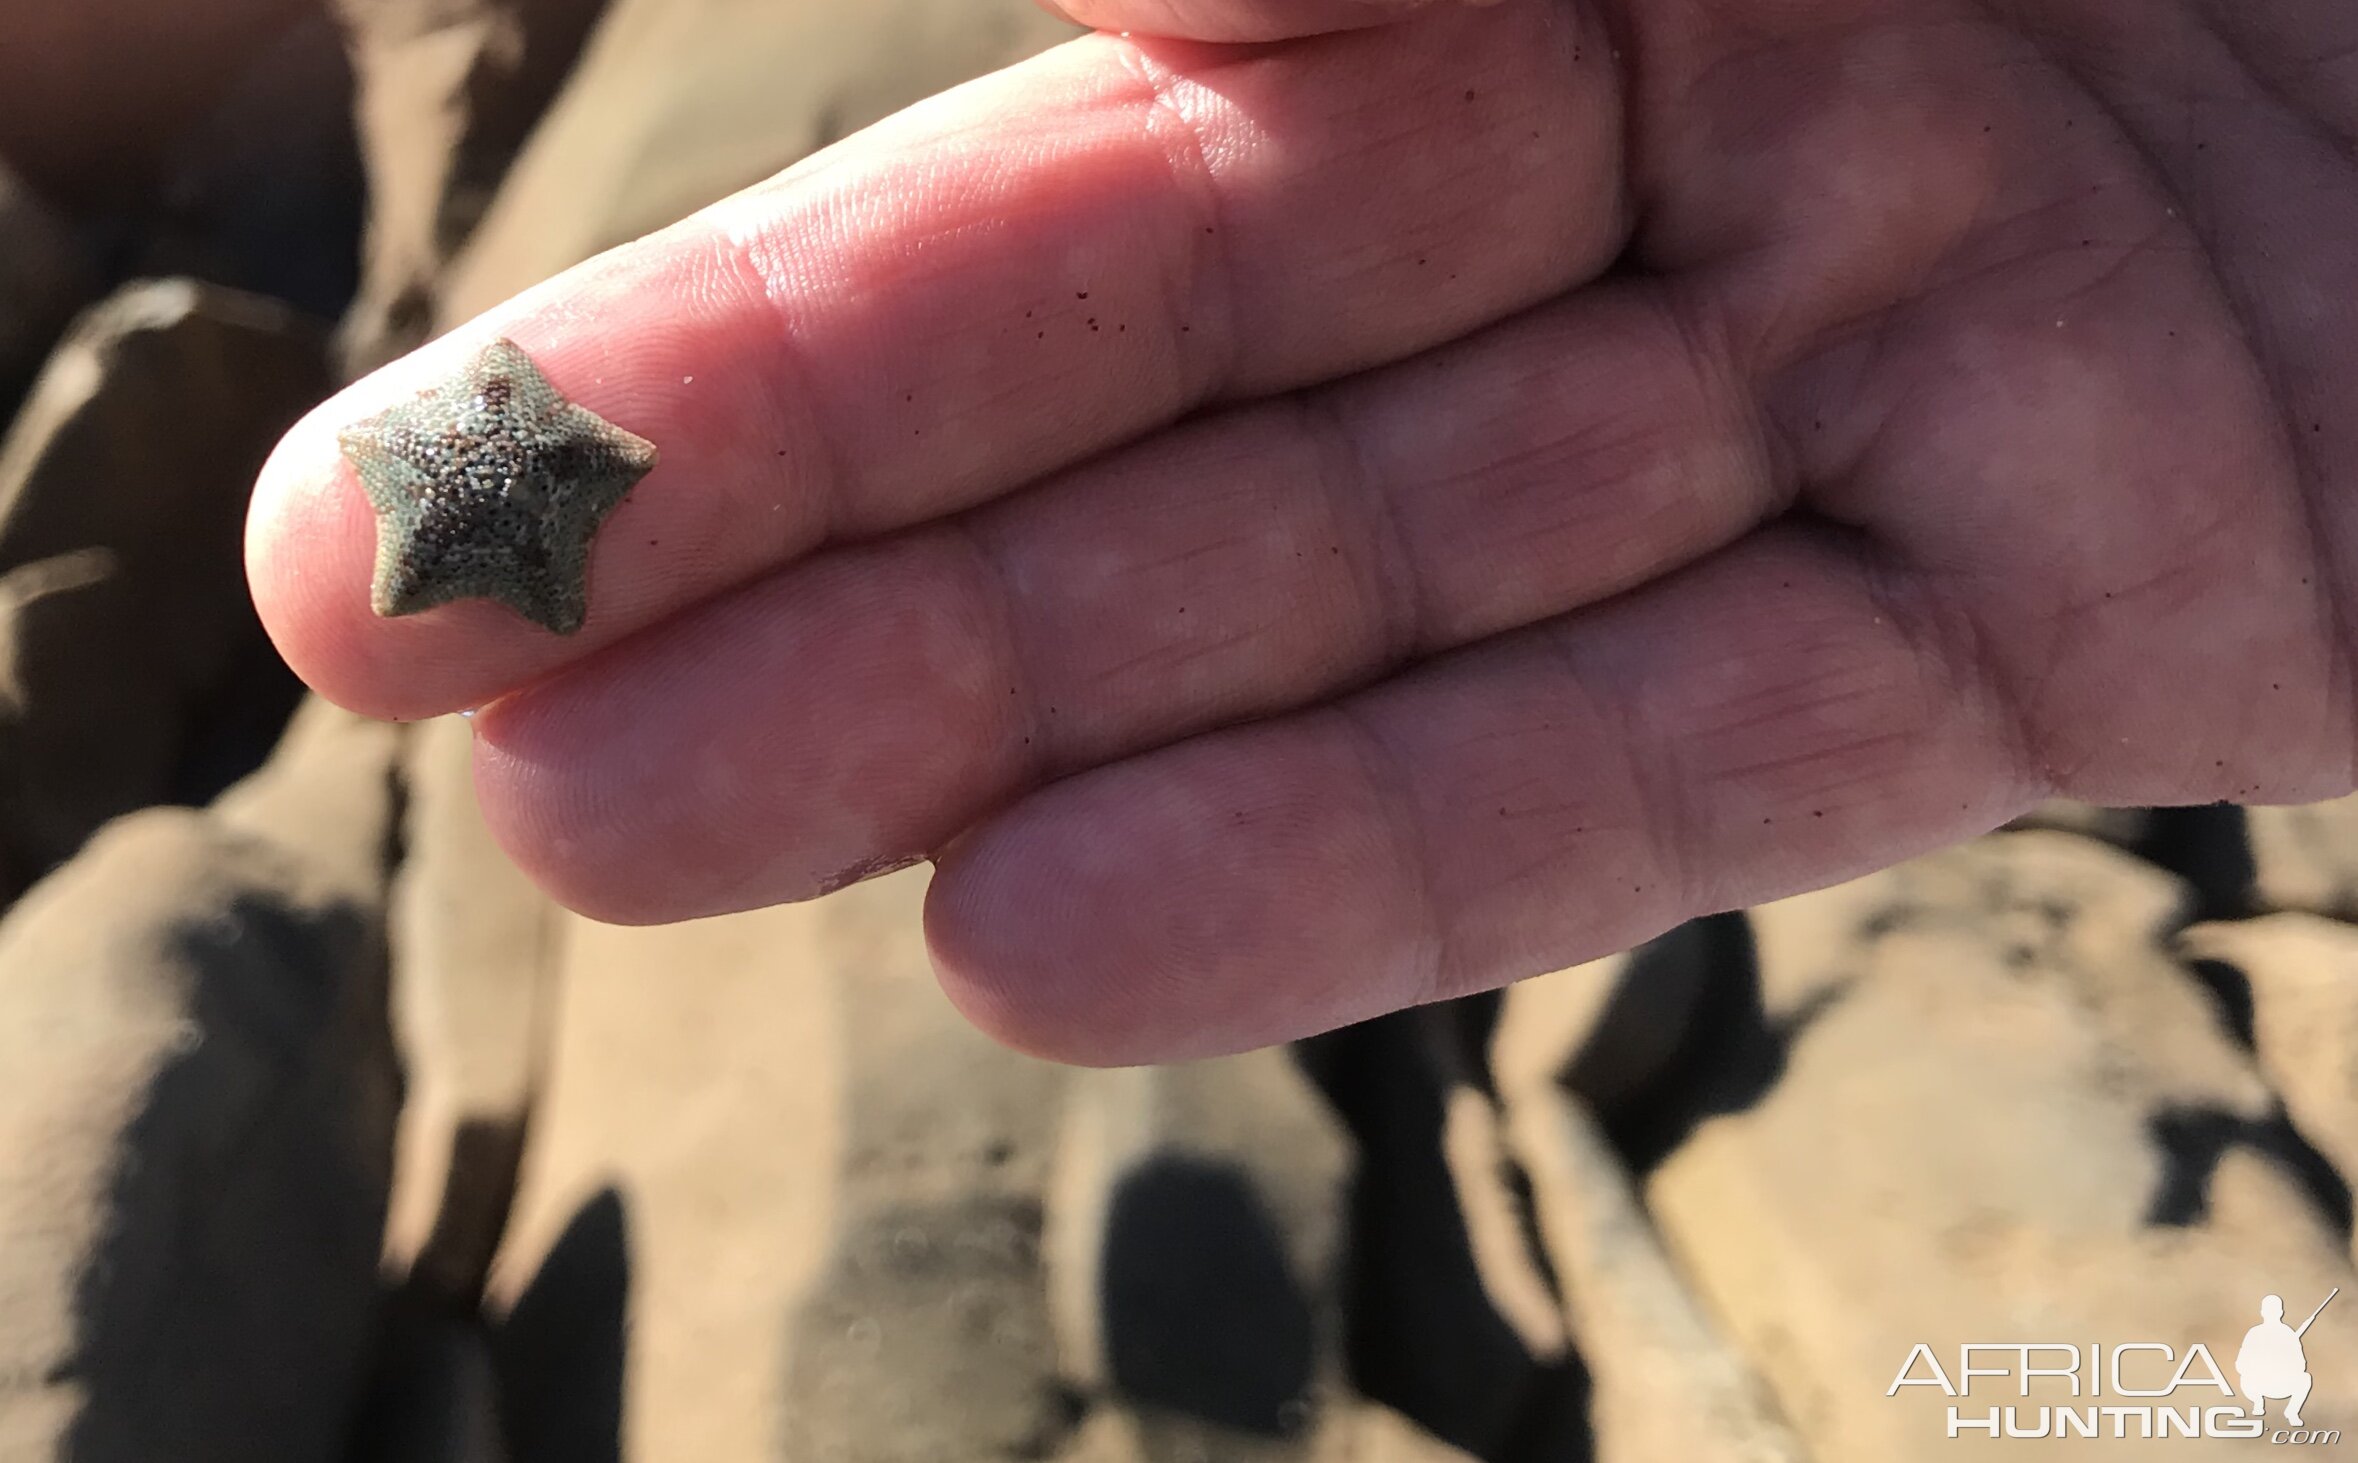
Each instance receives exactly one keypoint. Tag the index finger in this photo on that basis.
(1236, 20)
(1000, 281)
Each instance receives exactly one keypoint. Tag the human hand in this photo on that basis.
(1298, 529)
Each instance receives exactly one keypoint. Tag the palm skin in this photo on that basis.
(1302, 527)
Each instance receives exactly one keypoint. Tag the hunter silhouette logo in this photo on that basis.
(2136, 1390)
(2271, 1363)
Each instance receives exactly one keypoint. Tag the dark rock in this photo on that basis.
(1448, 1320)
(80, 740)
(561, 1355)
(96, 89)
(1609, 1029)
(432, 1394)
(196, 1104)
(127, 473)
(46, 275)
(264, 192)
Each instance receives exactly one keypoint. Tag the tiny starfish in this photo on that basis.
(490, 486)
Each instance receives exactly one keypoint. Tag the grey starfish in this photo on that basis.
(490, 486)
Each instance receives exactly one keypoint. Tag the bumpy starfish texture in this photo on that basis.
(491, 486)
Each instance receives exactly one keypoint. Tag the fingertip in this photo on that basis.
(556, 825)
(309, 549)
(999, 927)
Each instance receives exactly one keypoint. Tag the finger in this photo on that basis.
(1006, 279)
(1238, 20)
(1768, 721)
(863, 707)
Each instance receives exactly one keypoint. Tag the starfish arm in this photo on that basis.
(611, 457)
(385, 476)
(542, 577)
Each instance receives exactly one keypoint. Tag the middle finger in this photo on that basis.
(856, 711)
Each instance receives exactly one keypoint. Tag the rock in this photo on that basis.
(1462, 1040)
(678, 103)
(2300, 976)
(328, 795)
(2206, 845)
(1492, 1197)
(140, 440)
(2120, 827)
(196, 1104)
(1528, 1161)
(2306, 858)
(1975, 1100)
(676, 1190)
(1349, 1430)
(432, 1394)
(1195, 1244)
(779, 1200)
(78, 740)
(1609, 1029)
(1372, 1434)
(45, 276)
(448, 91)
(927, 1334)
(263, 192)
(1666, 1383)
(1449, 1321)
(476, 952)
(96, 88)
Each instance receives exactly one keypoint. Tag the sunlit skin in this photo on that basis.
(1299, 528)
